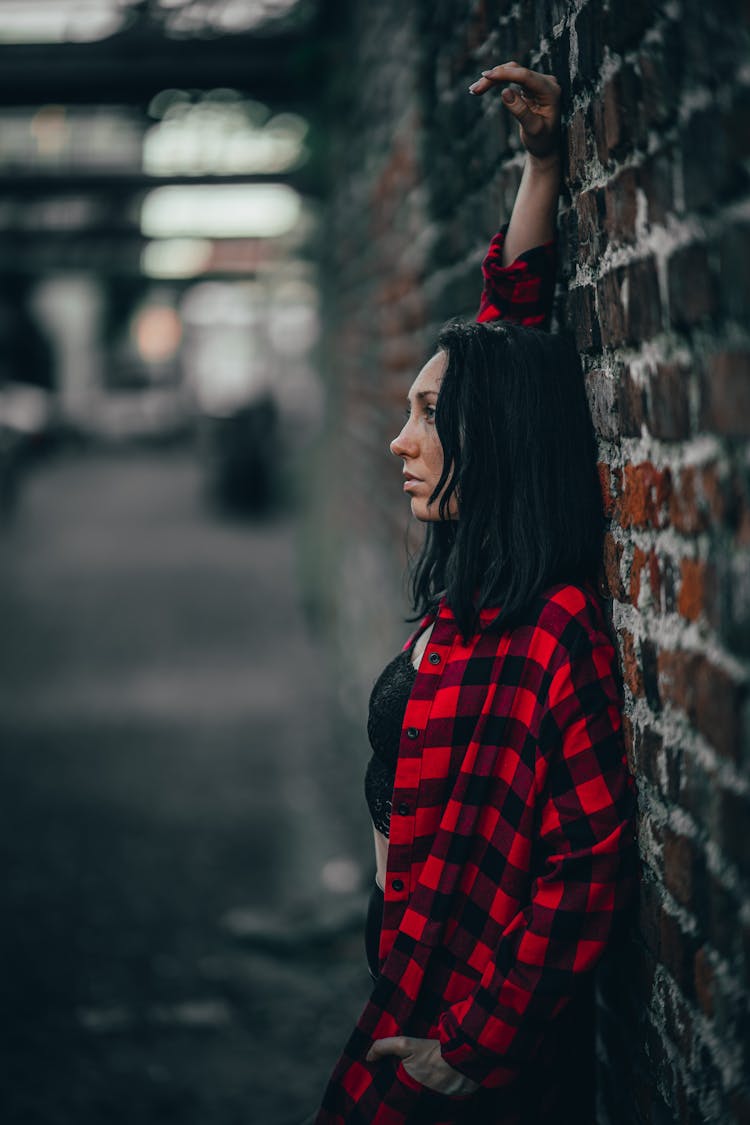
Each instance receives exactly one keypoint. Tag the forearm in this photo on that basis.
(533, 219)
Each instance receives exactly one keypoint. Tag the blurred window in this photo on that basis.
(85, 21)
(220, 134)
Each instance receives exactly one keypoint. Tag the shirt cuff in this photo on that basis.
(521, 291)
(464, 1056)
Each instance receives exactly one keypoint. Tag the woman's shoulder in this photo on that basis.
(572, 614)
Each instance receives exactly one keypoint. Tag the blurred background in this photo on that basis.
(229, 233)
(174, 876)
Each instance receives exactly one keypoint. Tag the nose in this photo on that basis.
(404, 445)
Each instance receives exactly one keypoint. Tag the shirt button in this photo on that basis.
(398, 884)
(412, 732)
(434, 658)
(403, 809)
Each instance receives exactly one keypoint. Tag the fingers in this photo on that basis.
(507, 72)
(528, 120)
(399, 1045)
(534, 84)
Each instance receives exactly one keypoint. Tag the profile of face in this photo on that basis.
(418, 444)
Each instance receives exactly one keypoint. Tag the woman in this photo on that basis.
(501, 802)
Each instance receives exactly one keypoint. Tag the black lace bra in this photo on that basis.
(386, 717)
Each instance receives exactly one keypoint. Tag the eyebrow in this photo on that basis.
(422, 395)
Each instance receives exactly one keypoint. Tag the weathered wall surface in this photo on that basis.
(655, 243)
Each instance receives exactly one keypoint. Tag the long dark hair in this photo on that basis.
(520, 456)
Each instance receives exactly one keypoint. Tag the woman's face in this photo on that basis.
(418, 444)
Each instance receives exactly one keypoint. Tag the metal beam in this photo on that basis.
(42, 183)
(130, 68)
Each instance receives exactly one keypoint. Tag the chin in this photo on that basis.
(423, 513)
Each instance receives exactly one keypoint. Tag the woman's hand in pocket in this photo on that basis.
(423, 1061)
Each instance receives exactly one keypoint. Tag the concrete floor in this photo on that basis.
(180, 903)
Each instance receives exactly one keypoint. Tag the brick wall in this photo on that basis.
(655, 243)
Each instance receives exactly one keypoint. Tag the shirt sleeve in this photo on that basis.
(584, 877)
(522, 291)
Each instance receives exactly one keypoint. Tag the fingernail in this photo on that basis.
(486, 72)
(509, 95)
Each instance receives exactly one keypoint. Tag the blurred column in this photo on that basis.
(70, 308)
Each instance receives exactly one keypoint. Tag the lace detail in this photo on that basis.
(385, 720)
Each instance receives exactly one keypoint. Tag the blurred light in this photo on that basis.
(61, 21)
(102, 137)
(157, 330)
(293, 324)
(223, 134)
(49, 128)
(229, 15)
(214, 303)
(223, 211)
(176, 257)
(341, 875)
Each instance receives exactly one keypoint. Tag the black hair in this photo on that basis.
(520, 456)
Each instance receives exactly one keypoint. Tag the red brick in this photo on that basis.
(693, 589)
(612, 557)
(649, 562)
(610, 483)
(636, 567)
(620, 206)
(644, 496)
(725, 393)
(698, 499)
(631, 670)
(631, 405)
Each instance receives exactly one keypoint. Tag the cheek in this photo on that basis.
(434, 453)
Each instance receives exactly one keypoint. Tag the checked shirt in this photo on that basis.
(511, 849)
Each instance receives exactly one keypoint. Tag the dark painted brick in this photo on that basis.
(669, 405)
(620, 206)
(725, 393)
(693, 289)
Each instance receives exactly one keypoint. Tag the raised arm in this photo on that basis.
(534, 100)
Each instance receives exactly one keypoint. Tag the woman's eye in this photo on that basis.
(430, 413)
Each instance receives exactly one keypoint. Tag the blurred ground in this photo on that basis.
(181, 923)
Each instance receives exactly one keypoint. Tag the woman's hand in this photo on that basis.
(534, 100)
(423, 1061)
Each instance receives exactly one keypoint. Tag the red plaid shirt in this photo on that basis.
(511, 846)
